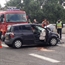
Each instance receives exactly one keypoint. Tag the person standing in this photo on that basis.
(45, 23)
(59, 26)
(35, 21)
(0, 40)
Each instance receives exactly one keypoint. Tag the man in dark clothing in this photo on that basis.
(0, 40)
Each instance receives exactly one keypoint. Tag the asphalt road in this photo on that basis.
(34, 55)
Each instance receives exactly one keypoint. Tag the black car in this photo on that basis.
(18, 35)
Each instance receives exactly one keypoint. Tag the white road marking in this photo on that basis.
(44, 58)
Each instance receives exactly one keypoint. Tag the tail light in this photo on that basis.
(12, 35)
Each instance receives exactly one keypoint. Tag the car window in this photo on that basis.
(37, 28)
(26, 27)
(15, 28)
(21, 27)
(40, 28)
(34, 29)
(16, 17)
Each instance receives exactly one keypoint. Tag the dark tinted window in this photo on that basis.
(21, 27)
(26, 27)
(15, 28)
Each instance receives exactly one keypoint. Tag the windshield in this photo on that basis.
(40, 28)
(16, 18)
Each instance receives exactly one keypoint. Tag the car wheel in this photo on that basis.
(53, 41)
(17, 44)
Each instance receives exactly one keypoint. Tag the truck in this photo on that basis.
(10, 17)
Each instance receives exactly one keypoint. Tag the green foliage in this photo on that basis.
(51, 9)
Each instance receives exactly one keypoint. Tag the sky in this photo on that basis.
(2, 2)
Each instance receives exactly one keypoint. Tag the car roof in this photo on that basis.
(20, 24)
(23, 24)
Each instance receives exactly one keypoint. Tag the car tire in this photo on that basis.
(17, 44)
(53, 41)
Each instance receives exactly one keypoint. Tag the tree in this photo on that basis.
(13, 3)
(51, 9)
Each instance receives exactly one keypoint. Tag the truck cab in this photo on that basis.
(10, 17)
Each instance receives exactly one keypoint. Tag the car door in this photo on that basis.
(36, 34)
(27, 34)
